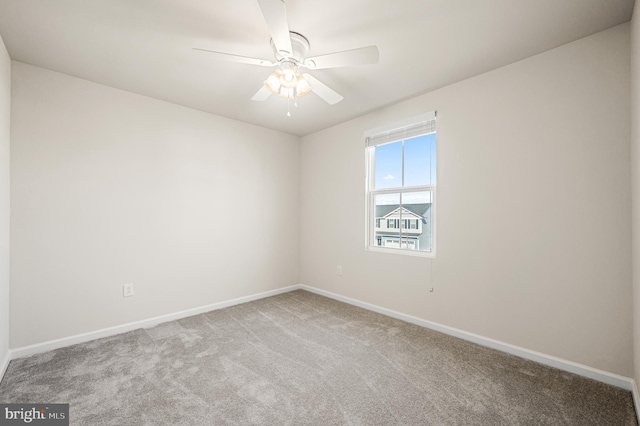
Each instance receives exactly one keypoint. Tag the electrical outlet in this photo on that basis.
(431, 290)
(339, 270)
(127, 290)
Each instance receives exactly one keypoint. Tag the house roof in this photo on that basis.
(420, 210)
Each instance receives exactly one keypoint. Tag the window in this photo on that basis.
(409, 224)
(401, 186)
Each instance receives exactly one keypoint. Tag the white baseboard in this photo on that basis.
(4, 364)
(549, 360)
(26, 351)
(636, 398)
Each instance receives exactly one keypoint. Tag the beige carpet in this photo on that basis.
(302, 359)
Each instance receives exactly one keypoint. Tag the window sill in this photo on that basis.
(414, 253)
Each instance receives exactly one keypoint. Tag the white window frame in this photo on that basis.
(402, 130)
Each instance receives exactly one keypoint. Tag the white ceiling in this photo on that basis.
(145, 46)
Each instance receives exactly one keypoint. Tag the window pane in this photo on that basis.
(416, 208)
(388, 166)
(419, 161)
(384, 207)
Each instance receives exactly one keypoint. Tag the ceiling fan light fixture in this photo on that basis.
(302, 87)
(273, 81)
(288, 78)
(287, 82)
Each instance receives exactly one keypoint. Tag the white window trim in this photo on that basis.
(370, 223)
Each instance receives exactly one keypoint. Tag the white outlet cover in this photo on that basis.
(127, 290)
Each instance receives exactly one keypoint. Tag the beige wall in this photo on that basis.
(5, 109)
(533, 214)
(635, 182)
(109, 187)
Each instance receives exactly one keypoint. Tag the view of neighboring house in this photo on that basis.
(408, 227)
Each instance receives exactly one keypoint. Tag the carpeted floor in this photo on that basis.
(302, 359)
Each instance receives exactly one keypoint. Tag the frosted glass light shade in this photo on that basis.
(288, 83)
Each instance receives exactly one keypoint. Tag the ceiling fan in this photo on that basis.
(290, 51)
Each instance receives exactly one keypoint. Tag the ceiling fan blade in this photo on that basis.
(236, 58)
(327, 94)
(275, 15)
(262, 94)
(360, 56)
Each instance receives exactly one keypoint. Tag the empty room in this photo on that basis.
(268, 212)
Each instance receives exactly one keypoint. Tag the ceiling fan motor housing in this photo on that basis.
(300, 47)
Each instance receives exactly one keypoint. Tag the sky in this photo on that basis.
(419, 169)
